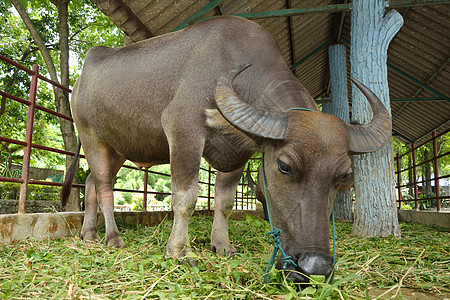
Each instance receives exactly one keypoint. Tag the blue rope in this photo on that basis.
(275, 234)
(334, 237)
(298, 108)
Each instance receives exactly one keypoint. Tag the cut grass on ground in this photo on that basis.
(413, 267)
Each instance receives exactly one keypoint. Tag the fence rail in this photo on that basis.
(413, 182)
(245, 198)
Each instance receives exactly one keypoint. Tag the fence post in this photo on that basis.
(416, 193)
(399, 182)
(436, 173)
(209, 187)
(28, 140)
(144, 205)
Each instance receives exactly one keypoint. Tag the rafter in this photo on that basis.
(311, 54)
(291, 33)
(423, 85)
(135, 18)
(206, 9)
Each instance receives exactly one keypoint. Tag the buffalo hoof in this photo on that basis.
(91, 236)
(181, 253)
(225, 250)
(115, 241)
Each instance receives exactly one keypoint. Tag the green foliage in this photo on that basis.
(88, 27)
(11, 191)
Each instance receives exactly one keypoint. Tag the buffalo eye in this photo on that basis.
(346, 182)
(284, 168)
(346, 177)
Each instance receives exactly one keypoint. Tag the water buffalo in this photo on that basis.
(181, 96)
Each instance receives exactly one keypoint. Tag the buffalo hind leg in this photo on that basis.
(225, 190)
(104, 162)
(89, 230)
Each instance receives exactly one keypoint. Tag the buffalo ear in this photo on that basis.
(253, 120)
(371, 137)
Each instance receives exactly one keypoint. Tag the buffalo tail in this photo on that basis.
(70, 175)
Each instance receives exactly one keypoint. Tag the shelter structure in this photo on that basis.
(418, 56)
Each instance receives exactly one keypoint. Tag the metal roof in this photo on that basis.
(418, 56)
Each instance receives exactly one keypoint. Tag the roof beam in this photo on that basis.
(333, 8)
(291, 33)
(423, 85)
(135, 18)
(411, 78)
(206, 9)
(415, 99)
(438, 71)
(410, 3)
(396, 133)
(341, 24)
(311, 54)
(435, 129)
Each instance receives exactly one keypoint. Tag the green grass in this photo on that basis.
(72, 269)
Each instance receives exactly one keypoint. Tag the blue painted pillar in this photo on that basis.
(326, 107)
(338, 82)
(371, 33)
(337, 54)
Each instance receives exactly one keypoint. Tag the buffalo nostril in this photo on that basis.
(315, 264)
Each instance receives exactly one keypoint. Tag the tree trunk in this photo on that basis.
(61, 98)
(371, 33)
(343, 206)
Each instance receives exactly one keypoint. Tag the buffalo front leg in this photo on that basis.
(184, 167)
(225, 190)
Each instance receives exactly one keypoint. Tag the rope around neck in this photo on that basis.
(275, 233)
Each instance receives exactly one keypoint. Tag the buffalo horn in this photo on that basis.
(373, 136)
(253, 120)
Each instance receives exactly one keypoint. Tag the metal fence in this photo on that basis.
(244, 199)
(411, 186)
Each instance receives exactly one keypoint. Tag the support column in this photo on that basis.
(343, 206)
(436, 173)
(371, 33)
(29, 140)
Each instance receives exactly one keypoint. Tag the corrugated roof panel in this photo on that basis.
(420, 49)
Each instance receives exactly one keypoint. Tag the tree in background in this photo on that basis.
(52, 28)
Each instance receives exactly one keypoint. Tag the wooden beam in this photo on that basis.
(423, 85)
(305, 58)
(291, 33)
(296, 11)
(135, 18)
(411, 3)
(416, 99)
